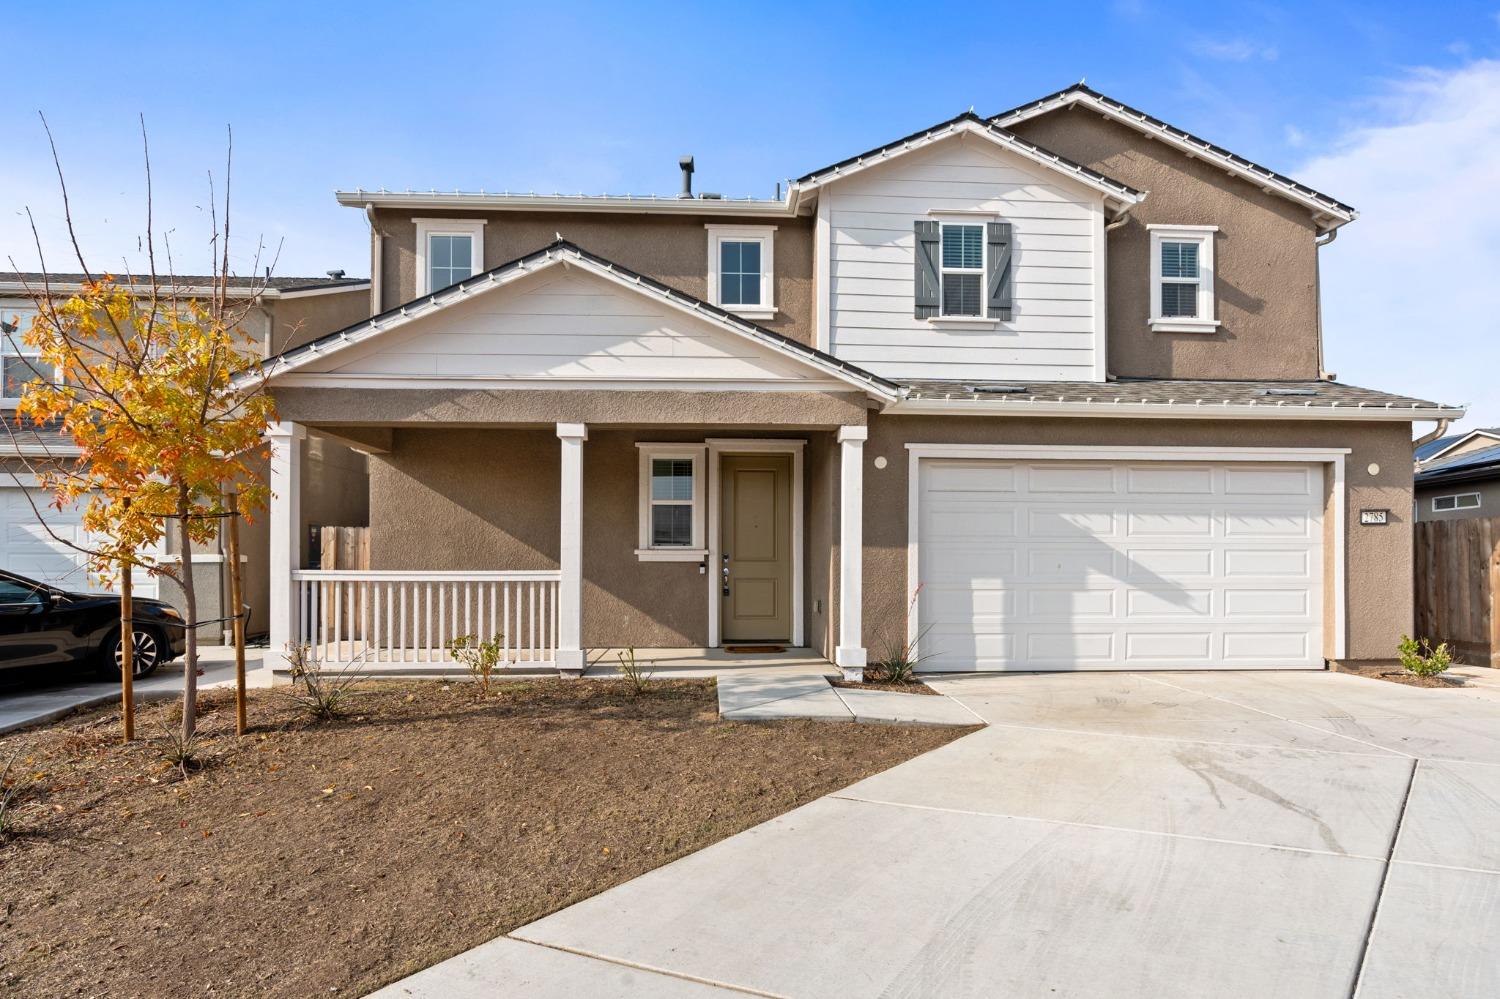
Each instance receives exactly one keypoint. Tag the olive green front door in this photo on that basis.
(756, 547)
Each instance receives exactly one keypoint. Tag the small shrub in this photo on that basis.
(1422, 659)
(319, 692)
(182, 751)
(8, 791)
(898, 659)
(479, 658)
(637, 675)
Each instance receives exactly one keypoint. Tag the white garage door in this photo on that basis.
(1119, 565)
(30, 549)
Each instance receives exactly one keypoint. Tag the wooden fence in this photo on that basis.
(341, 547)
(1457, 566)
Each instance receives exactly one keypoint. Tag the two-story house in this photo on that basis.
(37, 541)
(1038, 391)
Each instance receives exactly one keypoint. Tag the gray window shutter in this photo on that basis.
(997, 280)
(926, 276)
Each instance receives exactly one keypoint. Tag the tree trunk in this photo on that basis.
(190, 613)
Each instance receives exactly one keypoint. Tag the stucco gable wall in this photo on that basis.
(1266, 281)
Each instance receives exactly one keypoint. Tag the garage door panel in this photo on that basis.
(1121, 566)
(1069, 523)
(1168, 646)
(45, 552)
(1175, 602)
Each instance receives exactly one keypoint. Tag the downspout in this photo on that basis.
(1323, 373)
(1110, 227)
(377, 243)
(1433, 434)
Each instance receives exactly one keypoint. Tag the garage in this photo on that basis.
(1076, 565)
(28, 548)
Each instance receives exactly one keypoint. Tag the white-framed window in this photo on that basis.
(448, 251)
(742, 269)
(19, 362)
(673, 489)
(1455, 501)
(961, 270)
(1182, 278)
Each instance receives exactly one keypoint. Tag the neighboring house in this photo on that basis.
(285, 312)
(1459, 476)
(1053, 380)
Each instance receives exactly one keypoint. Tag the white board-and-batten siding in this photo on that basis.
(567, 324)
(1055, 332)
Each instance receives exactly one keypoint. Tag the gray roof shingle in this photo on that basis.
(1178, 391)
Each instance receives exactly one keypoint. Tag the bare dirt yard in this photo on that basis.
(329, 858)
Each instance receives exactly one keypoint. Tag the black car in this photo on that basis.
(41, 625)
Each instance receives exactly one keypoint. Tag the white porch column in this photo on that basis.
(570, 659)
(850, 654)
(286, 532)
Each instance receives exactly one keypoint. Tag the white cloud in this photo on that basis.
(1233, 50)
(1295, 137)
(1411, 290)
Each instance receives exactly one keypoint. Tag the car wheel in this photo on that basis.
(148, 653)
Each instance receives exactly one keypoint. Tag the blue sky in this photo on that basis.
(1393, 107)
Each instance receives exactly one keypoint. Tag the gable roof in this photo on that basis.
(970, 123)
(558, 253)
(1433, 450)
(1322, 206)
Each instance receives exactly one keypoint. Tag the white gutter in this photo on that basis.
(1195, 410)
(12, 289)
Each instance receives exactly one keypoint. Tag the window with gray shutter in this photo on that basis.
(963, 270)
(925, 278)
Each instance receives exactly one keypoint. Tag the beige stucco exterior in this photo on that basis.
(1489, 500)
(296, 320)
(473, 498)
(672, 249)
(1266, 280)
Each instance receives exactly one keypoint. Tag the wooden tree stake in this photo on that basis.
(127, 652)
(237, 609)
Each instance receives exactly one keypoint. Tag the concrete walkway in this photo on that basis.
(23, 706)
(802, 691)
(1294, 835)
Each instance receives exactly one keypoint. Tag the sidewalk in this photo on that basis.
(25, 706)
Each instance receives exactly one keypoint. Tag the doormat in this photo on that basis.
(755, 648)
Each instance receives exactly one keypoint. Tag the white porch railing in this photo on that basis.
(381, 617)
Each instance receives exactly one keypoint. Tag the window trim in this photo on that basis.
(766, 236)
(698, 550)
(426, 228)
(1455, 497)
(1205, 321)
(25, 313)
(983, 272)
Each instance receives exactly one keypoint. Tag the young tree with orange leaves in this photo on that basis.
(162, 393)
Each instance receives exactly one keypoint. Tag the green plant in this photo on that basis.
(898, 659)
(1421, 658)
(637, 675)
(320, 692)
(179, 748)
(479, 658)
(8, 791)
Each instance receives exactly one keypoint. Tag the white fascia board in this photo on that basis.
(1202, 151)
(1172, 411)
(15, 289)
(1118, 197)
(363, 286)
(493, 202)
(280, 367)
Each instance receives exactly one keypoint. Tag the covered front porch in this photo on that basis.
(701, 547)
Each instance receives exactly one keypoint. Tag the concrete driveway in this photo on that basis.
(1113, 835)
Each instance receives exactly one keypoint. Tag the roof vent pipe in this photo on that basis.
(335, 275)
(687, 176)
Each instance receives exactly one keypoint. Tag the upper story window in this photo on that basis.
(963, 270)
(19, 362)
(741, 272)
(448, 251)
(1182, 278)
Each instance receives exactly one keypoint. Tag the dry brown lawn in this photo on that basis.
(331, 858)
